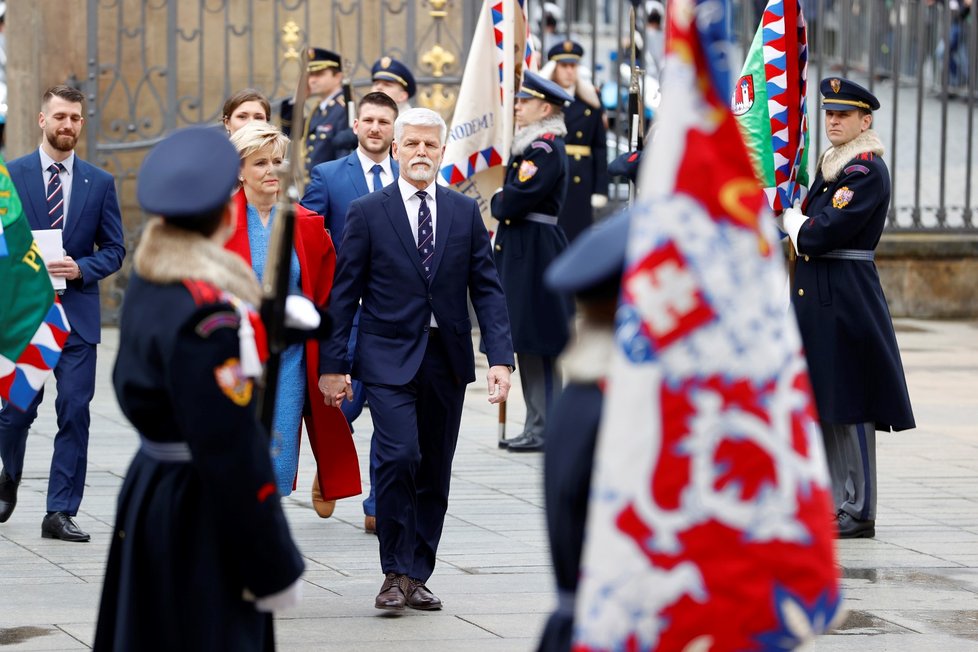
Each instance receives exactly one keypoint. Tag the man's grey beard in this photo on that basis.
(415, 174)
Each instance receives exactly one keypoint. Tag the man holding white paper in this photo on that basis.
(58, 190)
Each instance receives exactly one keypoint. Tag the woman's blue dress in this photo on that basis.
(291, 394)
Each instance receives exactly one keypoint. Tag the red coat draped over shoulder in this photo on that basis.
(329, 434)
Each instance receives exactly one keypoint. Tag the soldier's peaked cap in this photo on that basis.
(535, 86)
(321, 59)
(390, 69)
(840, 94)
(566, 52)
(189, 173)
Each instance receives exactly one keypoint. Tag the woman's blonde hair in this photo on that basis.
(257, 135)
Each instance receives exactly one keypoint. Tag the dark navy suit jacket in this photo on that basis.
(92, 234)
(379, 262)
(332, 188)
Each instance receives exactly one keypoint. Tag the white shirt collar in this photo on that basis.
(46, 161)
(409, 192)
(367, 164)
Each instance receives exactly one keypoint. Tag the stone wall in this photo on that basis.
(930, 276)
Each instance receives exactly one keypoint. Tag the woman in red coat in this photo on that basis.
(262, 148)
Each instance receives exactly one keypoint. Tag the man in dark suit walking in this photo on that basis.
(333, 187)
(412, 252)
(60, 191)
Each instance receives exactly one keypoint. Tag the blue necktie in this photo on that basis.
(56, 198)
(377, 169)
(426, 234)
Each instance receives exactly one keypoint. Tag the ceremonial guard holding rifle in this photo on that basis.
(527, 240)
(201, 551)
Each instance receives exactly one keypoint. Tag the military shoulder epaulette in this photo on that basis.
(866, 156)
(548, 136)
(540, 144)
(203, 292)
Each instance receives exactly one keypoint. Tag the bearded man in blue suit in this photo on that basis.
(60, 191)
(412, 252)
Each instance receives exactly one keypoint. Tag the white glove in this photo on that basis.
(301, 313)
(599, 201)
(794, 219)
(285, 599)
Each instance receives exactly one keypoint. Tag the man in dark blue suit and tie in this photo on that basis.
(60, 191)
(333, 187)
(413, 252)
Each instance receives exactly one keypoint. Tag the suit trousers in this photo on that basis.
(75, 383)
(541, 382)
(415, 432)
(850, 450)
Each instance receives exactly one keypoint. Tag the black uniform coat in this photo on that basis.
(587, 174)
(322, 128)
(536, 182)
(571, 434)
(853, 359)
(190, 537)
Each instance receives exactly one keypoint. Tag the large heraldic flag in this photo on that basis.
(709, 517)
(770, 102)
(481, 130)
(33, 326)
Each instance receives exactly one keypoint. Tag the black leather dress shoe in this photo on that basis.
(419, 597)
(853, 528)
(393, 592)
(530, 444)
(58, 525)
(8, 495)
(506, 443)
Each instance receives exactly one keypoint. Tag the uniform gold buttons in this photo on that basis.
(580, 134)
(801, 292)
(514, 164)
(508, 222)
(499, 247)
(577, 179)
(806, 259)
(587, 111)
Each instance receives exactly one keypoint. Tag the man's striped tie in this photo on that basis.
(426, 234)
(56, 198)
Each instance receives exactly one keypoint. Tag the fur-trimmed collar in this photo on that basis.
(588, 357)
(523, 137)
(834, 159)
(168, 254)
(582, 90)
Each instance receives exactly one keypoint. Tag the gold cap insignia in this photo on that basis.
(385, 62)
(568, 46)
(835, 84)
(311, 53)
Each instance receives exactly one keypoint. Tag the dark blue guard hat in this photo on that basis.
(595, 257)
(537, 87)
(393, 70)
(840, 94)
(321, 59)
(566, 52)
(189, 173)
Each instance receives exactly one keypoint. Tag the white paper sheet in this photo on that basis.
(52, 248)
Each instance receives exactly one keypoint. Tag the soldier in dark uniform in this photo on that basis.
(591, 269)
(853, 360)
(394, 79)
(527, 240)
(201, 552)
(585, 142)
(329, 120)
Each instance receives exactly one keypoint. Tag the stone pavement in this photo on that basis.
(914, 587)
